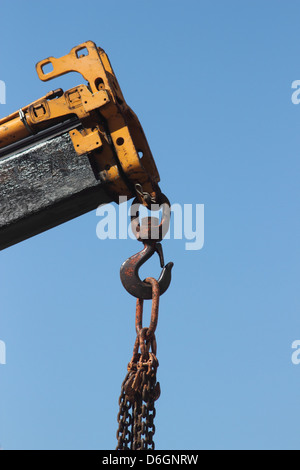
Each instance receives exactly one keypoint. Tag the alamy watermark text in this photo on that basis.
(2, 92)
(186, 222)
(296, 353)
(2, 353)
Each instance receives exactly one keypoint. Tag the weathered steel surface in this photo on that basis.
(45, 186)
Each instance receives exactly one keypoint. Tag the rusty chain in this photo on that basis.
(140, 388)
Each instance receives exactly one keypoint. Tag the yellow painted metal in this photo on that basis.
(110, 132)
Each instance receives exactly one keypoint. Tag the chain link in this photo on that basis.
(124, 419)
(140, 388)
(139, 392)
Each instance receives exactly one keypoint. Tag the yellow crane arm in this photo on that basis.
(110, 132)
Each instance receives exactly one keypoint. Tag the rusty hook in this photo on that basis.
(130, 272)
(150, 232)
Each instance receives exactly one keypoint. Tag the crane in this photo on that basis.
(69, 151)
(62, 156)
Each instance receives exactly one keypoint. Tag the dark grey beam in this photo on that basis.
(44, 186)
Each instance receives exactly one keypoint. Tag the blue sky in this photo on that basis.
(211, 84)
